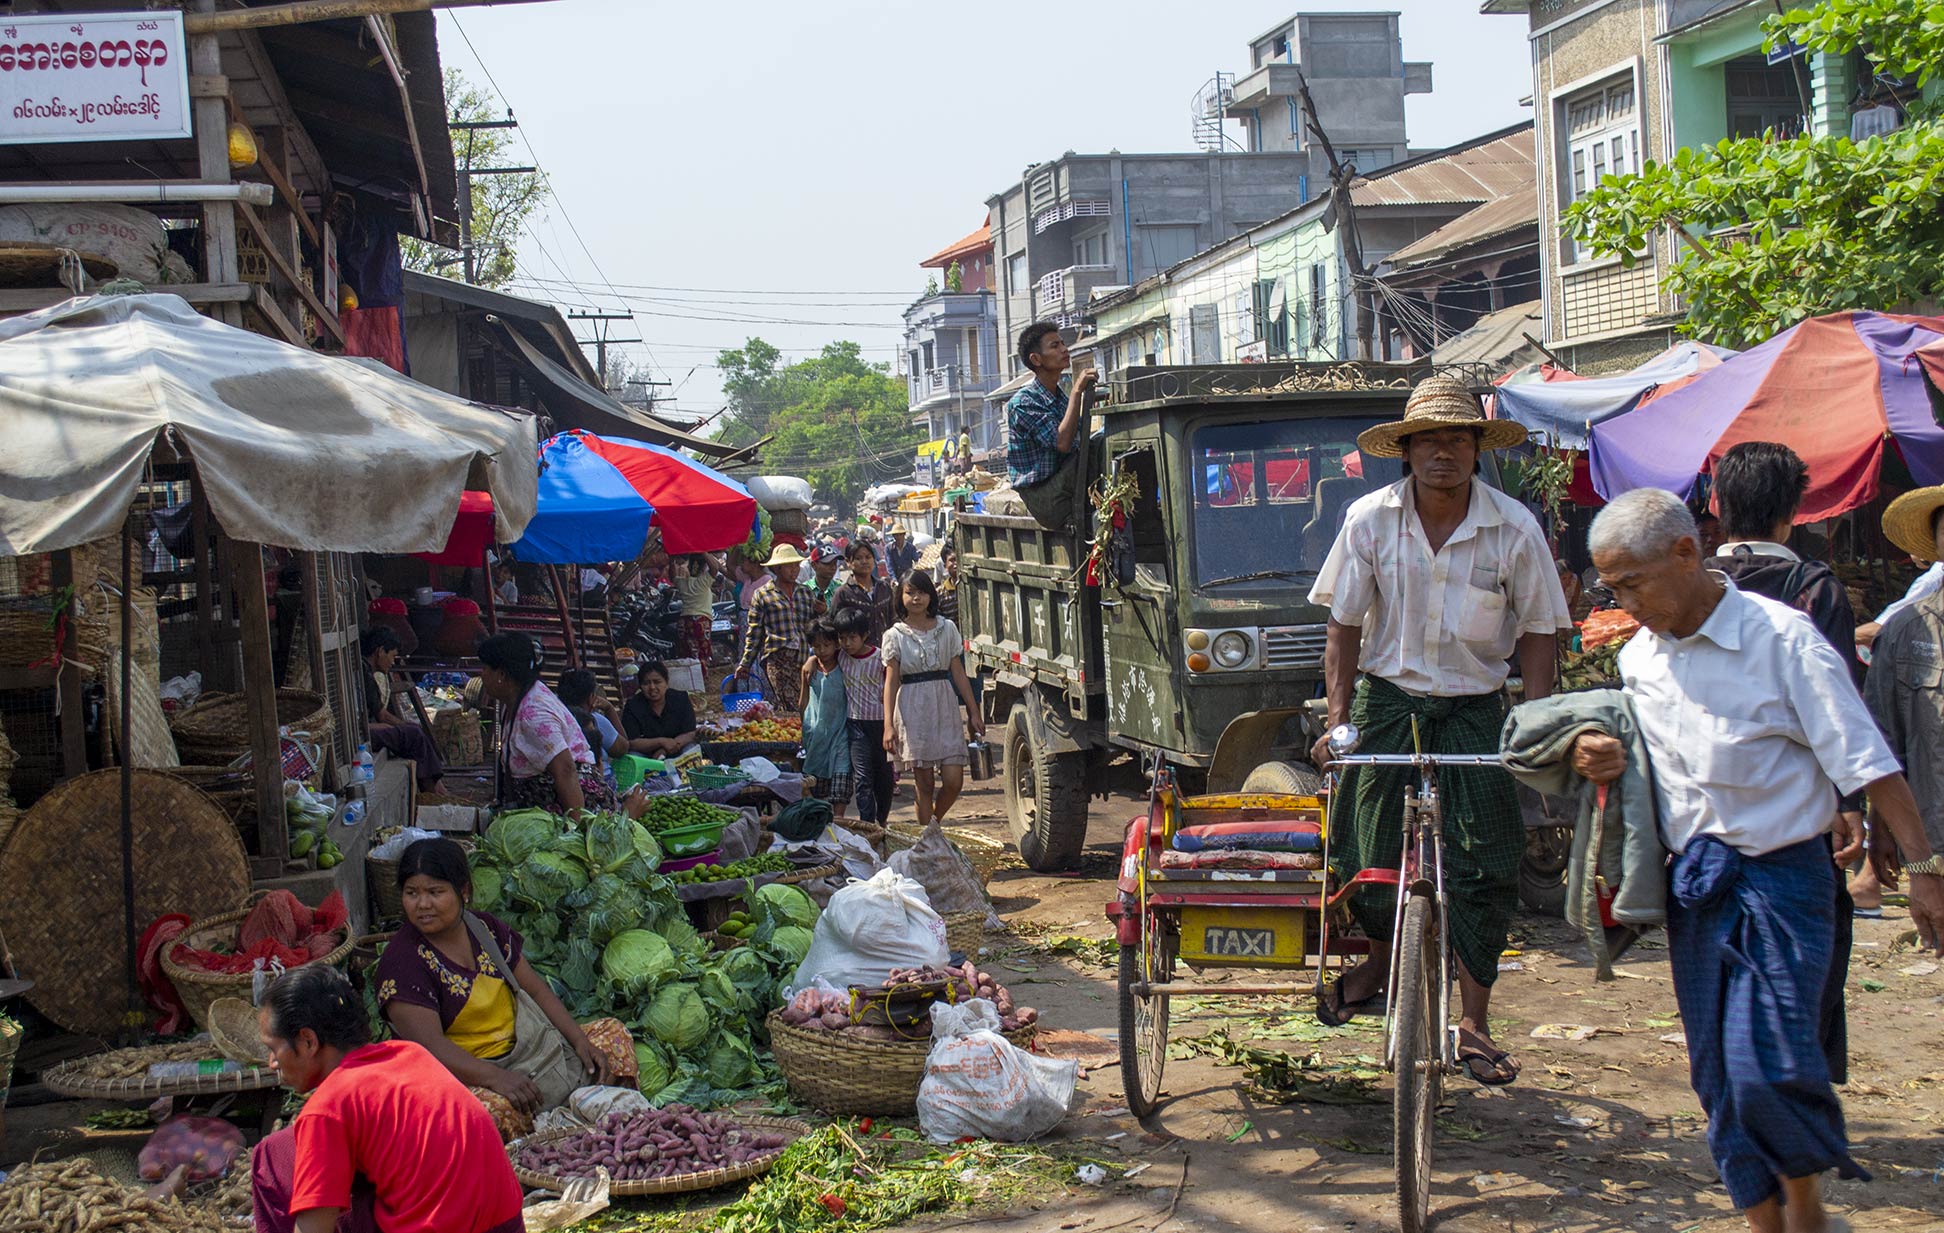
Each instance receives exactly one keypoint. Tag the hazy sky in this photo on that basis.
(793, 162)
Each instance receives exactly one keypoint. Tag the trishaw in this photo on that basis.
(1187, 907)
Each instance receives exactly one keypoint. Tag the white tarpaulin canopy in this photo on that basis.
(291, 447)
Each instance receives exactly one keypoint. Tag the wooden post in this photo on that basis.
(205, 581)
(209, 110)
(314, 622)
(71, 723)
(259, 689)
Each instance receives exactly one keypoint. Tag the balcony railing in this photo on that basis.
(947, 379)
(1067, 290)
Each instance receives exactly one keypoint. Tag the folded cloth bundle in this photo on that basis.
(1241, 858)
(1268, 836)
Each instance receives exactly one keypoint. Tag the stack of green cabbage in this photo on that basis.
(608, 932)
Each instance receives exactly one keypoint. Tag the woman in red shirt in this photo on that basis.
(388, 1140)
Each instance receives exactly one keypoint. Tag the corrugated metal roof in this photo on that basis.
(982, 238)
(1476, 173)
(1496, 340)
(1513, 212)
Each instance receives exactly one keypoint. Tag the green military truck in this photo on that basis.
(1197, 645)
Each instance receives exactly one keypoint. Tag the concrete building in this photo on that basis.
(1618, 82)
(1458, 221)
(1082, 222)
(951, 355)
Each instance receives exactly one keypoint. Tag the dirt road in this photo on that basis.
(1602, 1133)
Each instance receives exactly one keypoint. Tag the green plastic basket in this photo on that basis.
(709, 778)
(631, 769)
(691, 840)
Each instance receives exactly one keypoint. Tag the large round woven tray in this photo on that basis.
(681, 1183)
(844, 1075)
(61, 867)
(67, 1080)
(199, 989)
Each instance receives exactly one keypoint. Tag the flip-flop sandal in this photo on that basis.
(1498, 1071)
(1333, 1011)
(1867, 913)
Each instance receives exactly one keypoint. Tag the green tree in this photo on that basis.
(838, 421)
(501, 205)
(1771, 231)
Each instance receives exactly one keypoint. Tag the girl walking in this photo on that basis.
(924, 680)
(826, 722)
(863, 670)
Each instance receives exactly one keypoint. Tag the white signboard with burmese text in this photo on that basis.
(93, 77)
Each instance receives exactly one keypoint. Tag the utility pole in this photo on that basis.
(466, 173)
(1345, 212)
(601, 340)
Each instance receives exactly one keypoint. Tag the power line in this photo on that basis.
(565, 214)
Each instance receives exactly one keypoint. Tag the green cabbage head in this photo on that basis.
(635, 959)
(613, 840)
(652, 1064)
(678, 1017)
(514, 837)
(785, 905)
(489, 889)
(793, 941)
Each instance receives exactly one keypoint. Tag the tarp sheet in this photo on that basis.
(292, 448)
(1567, 410)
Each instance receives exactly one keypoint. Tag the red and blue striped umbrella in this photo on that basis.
(599, 495)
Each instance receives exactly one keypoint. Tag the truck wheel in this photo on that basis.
(1046, 799)
(1283, 779)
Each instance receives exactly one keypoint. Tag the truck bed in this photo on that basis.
(1022, 607)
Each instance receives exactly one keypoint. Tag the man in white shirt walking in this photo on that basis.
(1752, 723)
(1433, 584)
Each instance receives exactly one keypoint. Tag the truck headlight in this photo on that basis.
(1232, 649)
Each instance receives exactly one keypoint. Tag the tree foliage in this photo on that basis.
(839, 422)
(501, 205)
(1776, 231)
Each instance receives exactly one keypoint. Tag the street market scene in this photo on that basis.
(1375, 662)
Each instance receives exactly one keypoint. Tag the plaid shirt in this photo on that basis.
(777, 624)
(1032, 429)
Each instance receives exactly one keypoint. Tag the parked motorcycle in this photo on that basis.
(648, 622)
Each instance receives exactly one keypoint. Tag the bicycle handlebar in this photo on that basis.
(1416, 760)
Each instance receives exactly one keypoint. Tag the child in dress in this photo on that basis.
(826, 720)
(924, 681)
(863, 670)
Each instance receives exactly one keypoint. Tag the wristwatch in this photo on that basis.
(1932, 864)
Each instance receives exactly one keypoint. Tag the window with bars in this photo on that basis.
(1602, 139)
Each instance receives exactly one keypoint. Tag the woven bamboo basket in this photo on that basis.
(215, 731)
(381, 878)
(842, 1075)
(681, 1183)
(965, 932)
(26, 630)
(199, 989)
(722, 941)
(234, 791)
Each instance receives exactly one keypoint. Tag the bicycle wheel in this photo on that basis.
(1144, 1020)
(1419, 1063)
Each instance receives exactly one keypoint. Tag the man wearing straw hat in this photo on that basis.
(1433, 584)
(778, 632)
(1905, 687)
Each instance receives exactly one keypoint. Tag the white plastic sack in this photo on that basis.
(780, 492)
(595, 1102)
(860, 858)
(869, 930)
(133, 239)
(980, 1084)
(393, 848)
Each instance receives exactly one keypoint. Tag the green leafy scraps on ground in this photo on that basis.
(838, 1177)
(1288, 1078)
(1097, 952)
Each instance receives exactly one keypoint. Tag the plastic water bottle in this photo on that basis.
(366, 771)
(354, 813)
(194, 1070)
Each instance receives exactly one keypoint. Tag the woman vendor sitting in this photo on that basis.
(549, 764)
(384, 1134)
(388, 731)
(442, 982)
(658, 721)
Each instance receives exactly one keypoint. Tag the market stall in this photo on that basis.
(286, 453)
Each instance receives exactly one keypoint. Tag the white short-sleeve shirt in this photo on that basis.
(1441, 624)
(1753, 725)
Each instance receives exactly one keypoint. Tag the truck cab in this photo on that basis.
(1176, 625)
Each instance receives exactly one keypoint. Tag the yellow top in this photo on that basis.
(484, 1025)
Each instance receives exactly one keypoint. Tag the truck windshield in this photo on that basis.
(1270, 496)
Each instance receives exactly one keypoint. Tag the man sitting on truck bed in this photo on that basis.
(1432, 584)
(1042, 424)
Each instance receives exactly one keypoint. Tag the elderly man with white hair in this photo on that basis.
(1752, 724)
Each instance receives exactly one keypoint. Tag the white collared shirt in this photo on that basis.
(1753, 725)
(1441, 624)
(1758, 547)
